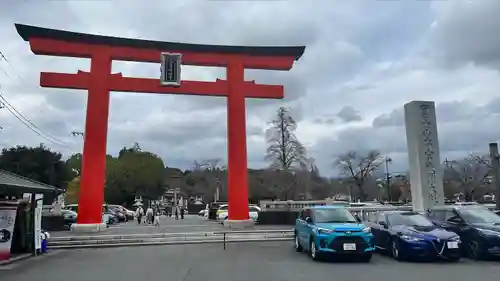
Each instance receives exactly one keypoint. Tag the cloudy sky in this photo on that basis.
(363, 61)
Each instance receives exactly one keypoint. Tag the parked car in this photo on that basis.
(323, 230)
(253, 213)
(478, 228)
(128, 213)
(408, 235)
(117, 211)
(213, 209)
(111, 217)
(69, 217)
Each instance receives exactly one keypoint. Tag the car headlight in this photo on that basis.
(489, 232)
(324, 231)
(367, 230)
(410, 238)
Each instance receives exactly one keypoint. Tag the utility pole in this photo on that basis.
(217, 191)
(1, 107)
(495, 165)
(388, 177)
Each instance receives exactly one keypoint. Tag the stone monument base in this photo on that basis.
(239, 224)
(90, 227)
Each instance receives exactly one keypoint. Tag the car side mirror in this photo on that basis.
(383, 223)
(358, 219)
(309, 220)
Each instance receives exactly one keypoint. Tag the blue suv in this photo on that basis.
(322, 230)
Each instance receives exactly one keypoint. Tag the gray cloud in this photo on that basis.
(465, 31)
(349, 114)
(362, 59)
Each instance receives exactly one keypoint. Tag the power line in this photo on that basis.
(19, 116)
(30, 125)
(2, 56)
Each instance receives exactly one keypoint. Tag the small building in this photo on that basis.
(21, 206)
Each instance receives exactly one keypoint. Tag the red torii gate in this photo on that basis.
(102, 50)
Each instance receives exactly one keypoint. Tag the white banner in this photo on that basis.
(7, 221)
(38, 221)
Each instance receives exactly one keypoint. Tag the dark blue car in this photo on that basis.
(410, 235)
(478, 227)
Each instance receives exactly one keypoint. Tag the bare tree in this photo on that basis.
(213, 173)
(284, 149)
(469, 175)
(359, 168)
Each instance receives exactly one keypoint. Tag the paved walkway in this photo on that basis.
(190, 223)
(275, 261)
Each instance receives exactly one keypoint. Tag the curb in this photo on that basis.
(16, 259)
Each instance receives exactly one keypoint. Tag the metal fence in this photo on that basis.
(128, 240)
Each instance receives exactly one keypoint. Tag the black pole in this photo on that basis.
(495, 166)
(388, 178)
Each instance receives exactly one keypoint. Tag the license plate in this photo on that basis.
(350, 247)
(452, 245)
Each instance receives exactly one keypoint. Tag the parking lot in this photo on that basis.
(253, 261)
(243, 261)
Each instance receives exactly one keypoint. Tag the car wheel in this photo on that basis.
(396, 251)
(313, 251)
(474, 250)
(298, 247)
(366, 257)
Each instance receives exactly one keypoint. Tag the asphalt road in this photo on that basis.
(275, 261)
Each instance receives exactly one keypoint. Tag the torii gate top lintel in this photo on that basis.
(53, 42)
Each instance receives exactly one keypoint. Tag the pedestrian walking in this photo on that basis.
(157, 219)
(176, 213)
(139, 213)
(182, 213)
(149, 215)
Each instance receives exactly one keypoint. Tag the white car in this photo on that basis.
(253, 213)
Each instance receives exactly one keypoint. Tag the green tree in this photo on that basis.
(37, 163)
(74, 163)
(72, 191)
(133, 173)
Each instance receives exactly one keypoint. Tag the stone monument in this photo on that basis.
(426, 171)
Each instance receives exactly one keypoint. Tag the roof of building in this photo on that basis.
(29, 31)
(16, 183)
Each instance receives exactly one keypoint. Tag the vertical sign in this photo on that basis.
(171, 69)
(38, 221)
(7, 220)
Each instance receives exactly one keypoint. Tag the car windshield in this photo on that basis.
(339, 215)
(408, 219)
(479, 215)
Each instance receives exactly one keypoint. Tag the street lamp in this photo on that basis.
(388, 177)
